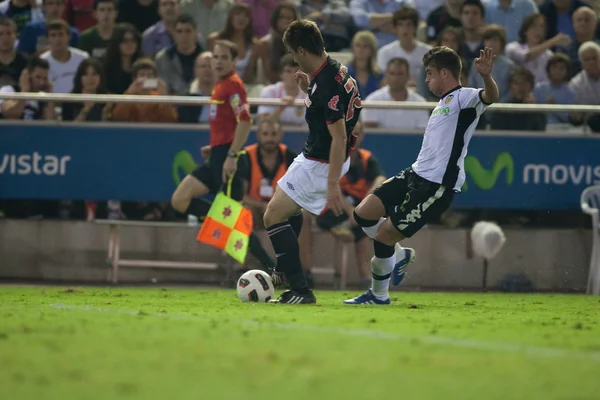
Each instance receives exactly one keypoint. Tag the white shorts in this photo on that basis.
(305, 182)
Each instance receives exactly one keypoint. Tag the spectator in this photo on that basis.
(142, 14)
(239, 30)
(556, 89)
(287, 90)
(363, 65)
(201, 86)
(33, 37)
(89, 79)
(334, 20)
(63, 59)
(397, 75)
(405, 21)
(271, 47)
(520, 92)
(451, 37)
(586, 84)
(12, 63)
(532, 51)
(33, 79)
(261, 15)
(80, 14)
(209, 15)
(376, 16)
(446, 15)
(175, 64)
(559, 16)
(426, 7)
(472, 17)
(585, 22)
(509, 14)
(96, 39)
(123, 50)
(22, 12)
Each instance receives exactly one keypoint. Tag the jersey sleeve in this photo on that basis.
(238, 101)
(373, 169)
(333, 101)
(471, 98)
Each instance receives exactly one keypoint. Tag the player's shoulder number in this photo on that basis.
(351, 87)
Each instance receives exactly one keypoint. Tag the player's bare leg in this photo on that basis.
(281, 212)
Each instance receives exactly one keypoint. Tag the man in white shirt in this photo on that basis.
(287, 90)
(396, 76)
(586, 84)
(63, 60)
(406, 22)
(405, 203)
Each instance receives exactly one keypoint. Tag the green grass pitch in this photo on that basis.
(141, 343)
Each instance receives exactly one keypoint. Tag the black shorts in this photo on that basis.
(411, 202)
(211, 173)
(329, 220)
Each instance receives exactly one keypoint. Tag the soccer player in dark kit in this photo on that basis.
(230, 124)
(312, 181)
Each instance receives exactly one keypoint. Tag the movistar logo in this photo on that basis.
(445, 110)
(486, 179)
(183, 164)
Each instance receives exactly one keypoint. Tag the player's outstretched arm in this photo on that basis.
(484, 64)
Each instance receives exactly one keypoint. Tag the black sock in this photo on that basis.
(198, 207)
(257, 249)
(383, 250)
(285, 244)
(296, 222)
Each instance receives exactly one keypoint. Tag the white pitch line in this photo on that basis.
(434, 340)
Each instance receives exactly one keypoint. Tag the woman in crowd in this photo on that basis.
(122, 52)
(363, 65)
(89, 79)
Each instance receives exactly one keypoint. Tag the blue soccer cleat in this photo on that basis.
(367, 298)
(400, 268)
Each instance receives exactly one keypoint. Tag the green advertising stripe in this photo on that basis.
(183, 164)
(486, 179)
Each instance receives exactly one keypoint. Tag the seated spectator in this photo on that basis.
(63, 60)
(376, 16)
(520, 92)
(176, 64)
(405, 21)
(261, 15)
(239, 30)
(556, 89)
(532, 51)
(144, 76)
(12, 63)
(201, 86)
(365, 174)
(363, 65)
(397, 75)
(96, 39)
(79, 14)
(123, 50)
(586, 84)
(209, 15)
(33, 79)
(89, 79)
(334, 21)
(509, 14)
(142, 14)
(33, 37)
(444, 16)
(585, 22)
(287, 90)
(472, 17)
(22, 12)
(271, 46)
(559, 16)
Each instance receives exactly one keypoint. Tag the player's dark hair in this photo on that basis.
(399, 61)
(304, 34)
(560, 58)
(4, 21)
(37, 62)
(57, 25)
(495, 31)
(98, 2)
(476, 3)
(524, 73)
(186, 19)
(142, 64)
(528, 23)
(232, 47)
(443, 57)
(406, 13)
(288, 61)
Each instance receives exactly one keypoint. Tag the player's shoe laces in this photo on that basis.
(367, 298)
(400, 268)
(292, 297)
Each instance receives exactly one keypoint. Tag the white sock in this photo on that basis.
(381, 267)
(372, 230)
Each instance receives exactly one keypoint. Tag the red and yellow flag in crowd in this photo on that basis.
(227, 226)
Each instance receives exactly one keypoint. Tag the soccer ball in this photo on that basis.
(256, 286)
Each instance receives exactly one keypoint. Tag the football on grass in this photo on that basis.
(256, 286)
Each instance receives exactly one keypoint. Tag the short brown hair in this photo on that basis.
(525, 73)
(406, 13)
(558, 58)
(270, 120)
(57, 25)
(443, 57)
(232, 47)
(305, 34)
(495, 31)
(141, 64)
(399, 61)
